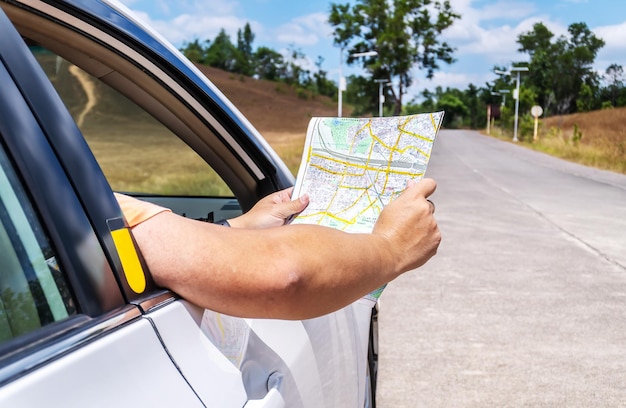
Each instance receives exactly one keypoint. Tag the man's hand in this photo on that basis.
(271, 211)
(409, 227)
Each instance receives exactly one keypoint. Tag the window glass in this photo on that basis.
(33, 289)
(136, 152)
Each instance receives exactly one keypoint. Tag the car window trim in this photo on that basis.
(46, 182)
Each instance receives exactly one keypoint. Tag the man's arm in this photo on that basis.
(291, 272)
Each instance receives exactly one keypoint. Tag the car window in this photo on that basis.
(33, 289)
(136, 152)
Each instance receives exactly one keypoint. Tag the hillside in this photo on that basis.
(596, 139)
(275, 109)
(270, 106)
(606, 126)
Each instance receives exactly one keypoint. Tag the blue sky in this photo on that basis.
(484, 36)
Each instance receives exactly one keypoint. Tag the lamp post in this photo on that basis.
(381, 97)
(515, 93)
(516, 96)
(341, 84)
(503, 92)
(342, 81)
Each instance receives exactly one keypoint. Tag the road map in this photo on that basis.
(352, 167)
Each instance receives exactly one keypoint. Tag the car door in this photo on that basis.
(72, 328)
(165, 103)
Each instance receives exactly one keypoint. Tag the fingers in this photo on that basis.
(432, 206)
(419, 192)
(282, 196)
(425, 187)
(409, 225)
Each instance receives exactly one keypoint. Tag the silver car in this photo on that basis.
(93, 101)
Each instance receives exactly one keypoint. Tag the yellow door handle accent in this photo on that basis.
(127, 252)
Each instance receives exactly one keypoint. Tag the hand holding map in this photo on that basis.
(353, 167)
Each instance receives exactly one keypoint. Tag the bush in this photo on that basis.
(577, 135)
(607, 105)
(302, 93)
(526, 128)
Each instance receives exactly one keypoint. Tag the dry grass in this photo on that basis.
(602, 141)
(275, 110)
(596, 139)
(138, 154)
(288, 146)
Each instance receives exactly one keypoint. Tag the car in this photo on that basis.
(93, 101)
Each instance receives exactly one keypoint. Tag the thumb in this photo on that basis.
(425, 187)
(292, 207)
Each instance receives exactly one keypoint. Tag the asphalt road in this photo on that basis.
(525, 303)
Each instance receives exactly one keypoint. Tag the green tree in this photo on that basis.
(474, 106)
(293, 73)
(194, 51)
(359, 94)
(584, 102)
(245, 62)
(222, 53)
(323, 85)
(405, 33)
(614, 77)
(559, 68)
(428, 104)
(268, 64)
(456, 110)
(538, 44)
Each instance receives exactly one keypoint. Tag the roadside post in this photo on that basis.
(536, 111)
(341, 85)
(381, 96)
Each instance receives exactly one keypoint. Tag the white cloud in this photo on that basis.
(614, 50)
(186, 27)
(614, 36)
(207, 7)
(187, 20)
(304, 31)
(508, 10)
(446, 79)
(490, 31)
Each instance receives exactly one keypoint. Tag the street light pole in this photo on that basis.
(503, 92)
(515, 93)
(516, 96)
(342, 81)
(381, 96)
(340, 84)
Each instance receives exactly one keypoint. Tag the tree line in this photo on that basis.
(262, 63)
(406, 34)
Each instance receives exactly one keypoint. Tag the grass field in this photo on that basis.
(596, 139)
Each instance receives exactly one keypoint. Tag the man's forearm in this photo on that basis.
(291, 272)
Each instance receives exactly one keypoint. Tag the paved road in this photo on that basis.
(525, 303)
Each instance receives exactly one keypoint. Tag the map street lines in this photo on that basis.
(351, 168)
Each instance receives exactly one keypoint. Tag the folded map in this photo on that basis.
(352, 167)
